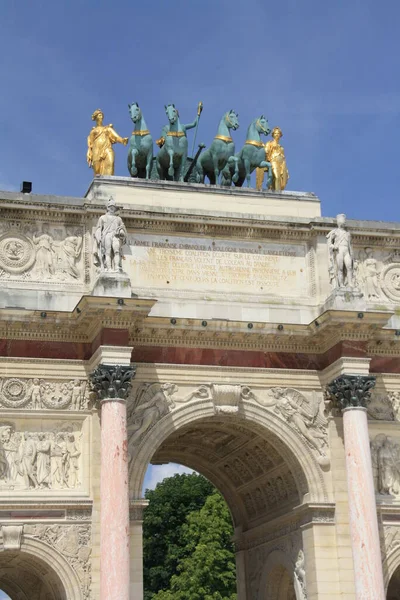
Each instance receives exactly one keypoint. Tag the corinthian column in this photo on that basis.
(112, 384)
(351, 393)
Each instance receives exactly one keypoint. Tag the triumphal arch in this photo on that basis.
(235, 331)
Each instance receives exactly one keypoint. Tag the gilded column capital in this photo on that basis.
(111, 382)
(351, 391)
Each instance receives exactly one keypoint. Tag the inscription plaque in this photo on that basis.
(205, 264)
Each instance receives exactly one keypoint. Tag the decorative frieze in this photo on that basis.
(39, 253)
(39, 394)
(305, 415)
(39, 460)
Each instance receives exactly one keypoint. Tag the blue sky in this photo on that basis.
(326, 72)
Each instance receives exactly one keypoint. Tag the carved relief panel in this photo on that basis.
(385, 454)
(73, 542)
(39, 394)
(303, 413)
(377, 274)
(384, 406)
(40, 455)
(39, 252)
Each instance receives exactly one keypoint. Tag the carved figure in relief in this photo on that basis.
(9, 450)
(43, 474)
(367, 271)
(340, 255)
(3, 464)
(45, 252)
(27, 461)
(303, 415)
(100, 154)
(386, 455)
(109, 237)
(59, 456)
(300, 577)
(154, 401)
(38, 460)
(70, 249)
(394, 398)
(72, 465)
(375, 465)
(36, 394)
(73, 542)
(77, 395)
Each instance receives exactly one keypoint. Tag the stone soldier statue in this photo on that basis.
(340, 255)
(109, 237)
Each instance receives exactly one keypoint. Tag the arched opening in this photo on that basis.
(249, 471)
(278, 580)
(24, 576)
(393, 592)
(280, 585)
(261, 479)
(187, 537)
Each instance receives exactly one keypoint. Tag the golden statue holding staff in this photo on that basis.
(100, 154)
(274, 154)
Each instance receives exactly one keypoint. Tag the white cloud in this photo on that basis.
(156, 473)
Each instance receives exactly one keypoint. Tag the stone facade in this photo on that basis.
(233, 353)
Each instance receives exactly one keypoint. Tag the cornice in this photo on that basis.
(81, 325)
(141, 218)
(92, 314)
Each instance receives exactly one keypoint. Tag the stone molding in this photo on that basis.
(351, 391)
(112, 382)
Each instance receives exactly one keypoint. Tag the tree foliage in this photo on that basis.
(208, 571)
(163, 542)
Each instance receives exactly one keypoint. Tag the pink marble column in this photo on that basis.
(112, 384)
(114, 501)
(363, 520)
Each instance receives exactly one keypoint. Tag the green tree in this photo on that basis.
(163, 542)
(208, 571)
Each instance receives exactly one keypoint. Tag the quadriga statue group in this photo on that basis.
(220, 164)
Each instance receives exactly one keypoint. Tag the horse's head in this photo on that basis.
(171, 113)
(262, 125)
(232, 120)
(135, 112)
